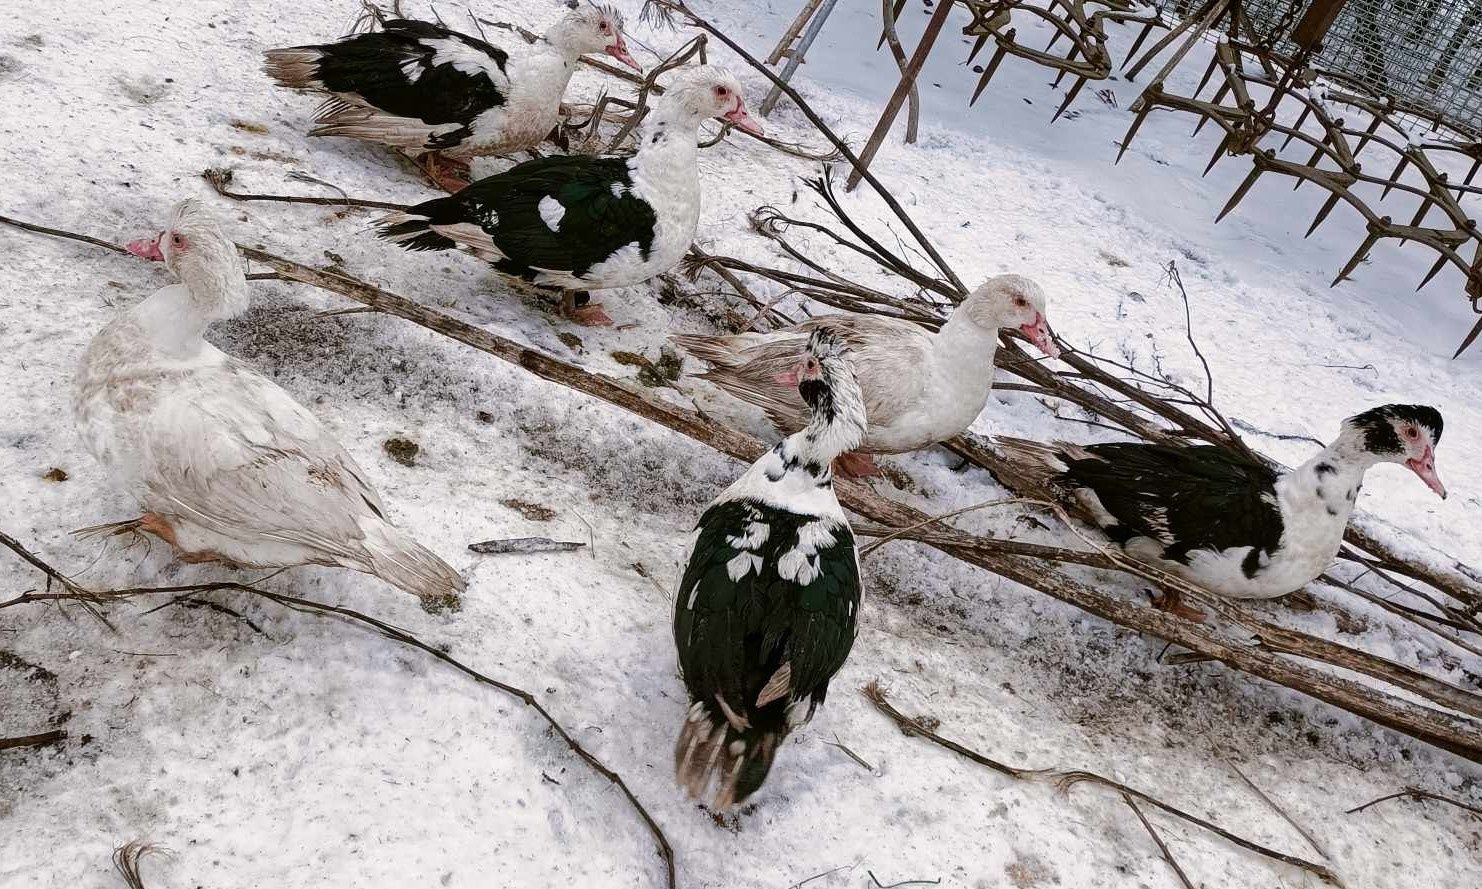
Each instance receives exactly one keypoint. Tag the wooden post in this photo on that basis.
(795, 56)
(1316, 21)
(791, 33)
(902, 89)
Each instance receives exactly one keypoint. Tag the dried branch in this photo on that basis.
(681, 8)
(74, 591)
(879, 885)
(126, 860)
(1162, 846)
(1064, 780)
(525, 545)
(1416, 794)
(898, 52)
(1311, 840)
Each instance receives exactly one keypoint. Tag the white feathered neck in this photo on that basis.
(213, 287)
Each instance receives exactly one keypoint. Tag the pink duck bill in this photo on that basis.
(742, 120)
(1039, 334)
(619, 51)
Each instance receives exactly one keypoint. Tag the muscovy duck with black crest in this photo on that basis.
(1231, 524)
(446, 96)
(765, 613)
(582, 223)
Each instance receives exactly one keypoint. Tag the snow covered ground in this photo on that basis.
(296, 750)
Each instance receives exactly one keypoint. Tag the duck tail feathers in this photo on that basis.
(404, 563)
(412, 230)
(296, 67)
(715, 759)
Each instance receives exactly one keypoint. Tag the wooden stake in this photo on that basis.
(902, 89)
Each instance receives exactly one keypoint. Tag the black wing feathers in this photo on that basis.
(1187, 498)
(733, 635)
(600, 215)
(393, 71)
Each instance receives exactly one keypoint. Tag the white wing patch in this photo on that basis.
(619, 190)
(756, 535)
(464, 58)
(800, 564)
(739, 567)
(471, 236)
(551, 213)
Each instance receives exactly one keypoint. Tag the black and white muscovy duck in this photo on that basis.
(446, 96)
(919, 387)
(225, 465)
(1230, 524)
(582, 223)
(765, 613)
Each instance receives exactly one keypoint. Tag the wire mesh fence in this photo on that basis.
(1426, 54)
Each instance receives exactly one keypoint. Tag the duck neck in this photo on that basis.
(965, 351)
(552, 68)
(668, 145)
(1332, 478)
(175, 318)
(837, 423)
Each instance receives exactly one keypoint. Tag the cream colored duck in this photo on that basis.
(919, 387)
(226, 466)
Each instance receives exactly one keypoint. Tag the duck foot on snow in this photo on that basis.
(1173, 603)
(856, 464)
(446, 173)
(576, 306)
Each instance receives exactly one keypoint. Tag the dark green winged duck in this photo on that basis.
(765, 613)
(578, 222)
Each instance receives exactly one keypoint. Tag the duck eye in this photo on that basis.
(176, 239)
(1020, 301)
(606, 28)
(1412, 432)
(722, 92)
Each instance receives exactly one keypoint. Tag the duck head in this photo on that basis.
(707, 91)
(589, 28)
(825, 380)
(1011, 301)
(195, 249)
(1400, 433)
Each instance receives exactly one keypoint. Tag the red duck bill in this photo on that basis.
(1039, 334)
(1425, 467)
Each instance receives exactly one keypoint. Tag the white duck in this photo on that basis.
(227, 466)
(919, 388)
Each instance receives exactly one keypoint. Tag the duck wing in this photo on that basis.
(562, 214)
(410, 79)
(232, 452)
(1186, 498)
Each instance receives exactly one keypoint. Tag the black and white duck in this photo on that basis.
(920, 388)
(765, 613)
(580, 222)
(445, 96)
(1231, 524)
(225, 465)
